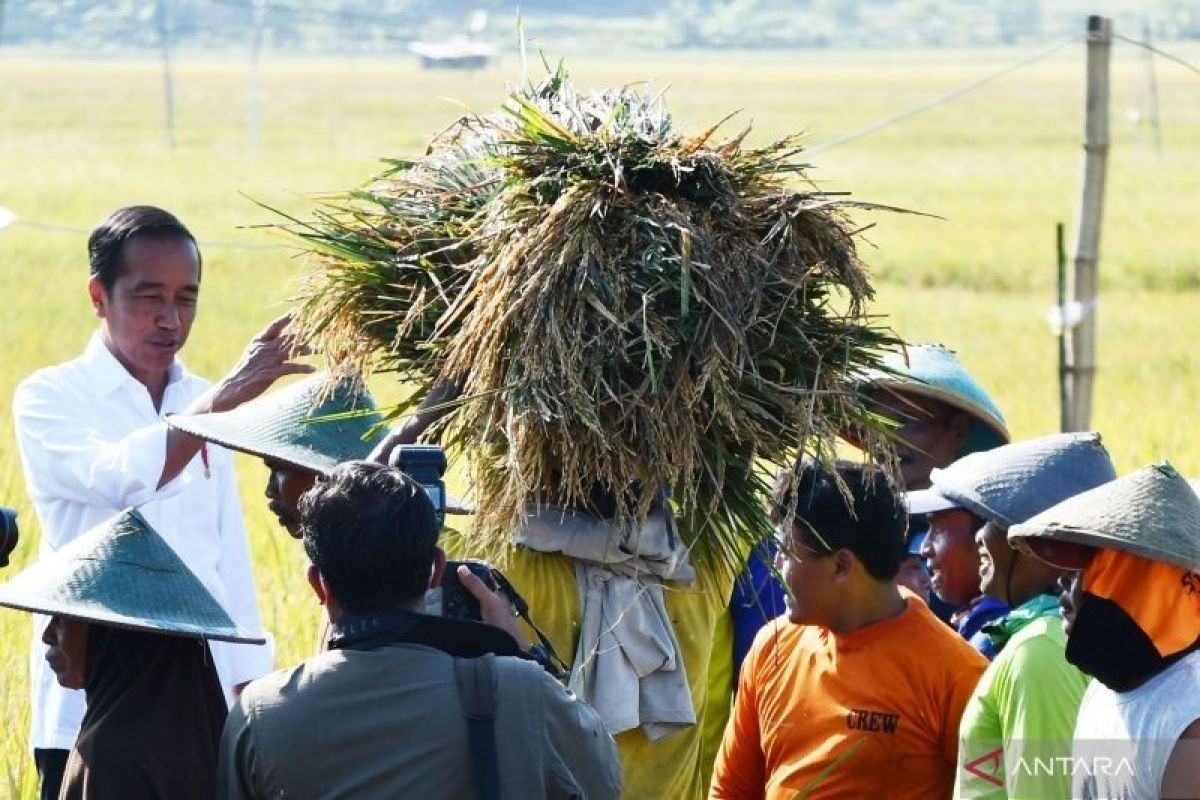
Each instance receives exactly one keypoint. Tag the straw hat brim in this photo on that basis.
(1151, 513)
(1020, 536)
(204, 426)
(123, 573)
(313, 424)
(217, 431)
(101, 616)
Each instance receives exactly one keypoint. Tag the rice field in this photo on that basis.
(997, 169)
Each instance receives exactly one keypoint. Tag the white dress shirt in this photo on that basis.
(92, 444)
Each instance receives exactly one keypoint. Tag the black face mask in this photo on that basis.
(1107, 644)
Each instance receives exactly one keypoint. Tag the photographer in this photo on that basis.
(390, 696)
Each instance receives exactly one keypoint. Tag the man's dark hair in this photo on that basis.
(106, 245)
(372, 532)
(871, 525)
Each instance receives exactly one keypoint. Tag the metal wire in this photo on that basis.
(60, 228)
(941, 100)
(1157, 52)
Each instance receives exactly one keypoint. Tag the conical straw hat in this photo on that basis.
(293, 424)
(1152, 513)
(934, 371)
(122, 573)
(1008, 485)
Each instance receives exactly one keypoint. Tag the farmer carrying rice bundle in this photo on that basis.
(626, 330)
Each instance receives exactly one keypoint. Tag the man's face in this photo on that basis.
(912, 576)
(995, 560)
(66, 651)
(952, 555)
(930, 435)
(149, 311)
(808, 578)
(1070, 587)
(285, 485)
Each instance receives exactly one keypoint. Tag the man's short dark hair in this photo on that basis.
(872, 525)
(372, 532)
(106, 245)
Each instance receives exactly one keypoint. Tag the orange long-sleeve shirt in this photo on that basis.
(871, 713)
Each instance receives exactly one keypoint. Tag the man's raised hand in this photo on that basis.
(268, 357)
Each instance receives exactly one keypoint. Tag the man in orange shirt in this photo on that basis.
(858, 689)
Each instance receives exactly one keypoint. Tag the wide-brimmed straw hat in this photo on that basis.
(934, 371)
(1008, 485)
(122, 573)
(309, 424)
(1152, 513)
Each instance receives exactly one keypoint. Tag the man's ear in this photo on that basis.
(317, 582)
(98, 295)
(439, 567)
(843, 564)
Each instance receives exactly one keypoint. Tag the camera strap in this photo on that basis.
(476, 678)
(544, 652)
(455, 637)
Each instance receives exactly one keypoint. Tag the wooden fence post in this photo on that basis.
(259, 22)
(1064, 360)
(1151, 87)
(1091, 211)
(162, 13)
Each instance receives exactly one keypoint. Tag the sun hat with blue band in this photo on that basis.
(1010, 484)
(934, 371)
(122, 573)
(313, 424)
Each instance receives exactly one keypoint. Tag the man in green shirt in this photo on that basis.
(1020, 720)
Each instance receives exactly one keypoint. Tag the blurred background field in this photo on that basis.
(999, 166)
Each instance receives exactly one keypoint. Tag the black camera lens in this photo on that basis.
(8, 534)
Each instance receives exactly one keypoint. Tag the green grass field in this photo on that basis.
(1000, 167)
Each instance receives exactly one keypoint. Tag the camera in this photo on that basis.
(453, 601)
(458, 603)
(425, 464)
(8, 534)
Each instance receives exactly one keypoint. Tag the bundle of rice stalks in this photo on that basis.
(622, 306)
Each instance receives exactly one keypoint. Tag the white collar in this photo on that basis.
(108, 373)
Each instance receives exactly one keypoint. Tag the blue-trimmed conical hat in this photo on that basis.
(122, 573)
(309, 424)
(934, 371)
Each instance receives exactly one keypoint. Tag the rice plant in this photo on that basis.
(624, 311)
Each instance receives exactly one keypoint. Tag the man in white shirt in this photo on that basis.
(1131, 612)
(93, 442)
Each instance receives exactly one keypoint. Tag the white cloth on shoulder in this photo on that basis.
(627, 664)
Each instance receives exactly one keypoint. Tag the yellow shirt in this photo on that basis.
(677, 766)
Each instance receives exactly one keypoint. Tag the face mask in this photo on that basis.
(1136, 618)
(1107, 644)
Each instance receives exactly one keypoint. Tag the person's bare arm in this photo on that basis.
(267, 358)
(411, 427)
(1181, 778)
